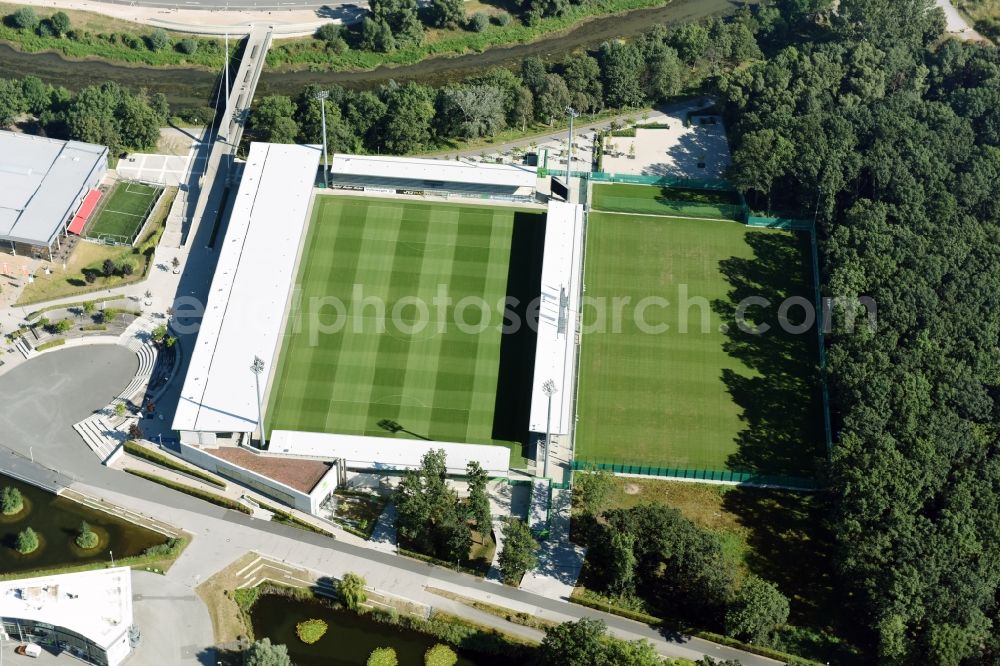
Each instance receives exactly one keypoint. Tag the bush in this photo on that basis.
(24, 18)
(502, 19)
(440, 655)
(27, 541)
(60, 23)
(187, 46)
(45, 29)
(479, 22)
(11, 501)
(158, 40)
(383, 657)
(87, 538)
(328, 32)
(352, 590)
(310, 631)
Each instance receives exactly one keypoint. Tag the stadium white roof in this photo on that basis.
(96, 604)
(42, 181)
(387, 453)
(557, 318)
(250, 290)
(445, 171)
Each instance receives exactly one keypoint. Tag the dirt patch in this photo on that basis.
(630, 489)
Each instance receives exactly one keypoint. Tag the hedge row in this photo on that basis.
(140, 451)
(212, 498)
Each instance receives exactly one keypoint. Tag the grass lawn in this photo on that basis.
(423, 372)
(656, 200)
(700, 393)
(86, 256)
(778, 535)
(124, 211)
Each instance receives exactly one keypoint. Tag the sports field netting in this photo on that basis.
(656, 200)
(424, 373)
(124, 212)
(704, 399)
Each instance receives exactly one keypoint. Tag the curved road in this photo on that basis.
(43, 397)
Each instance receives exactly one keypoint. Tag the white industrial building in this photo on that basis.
(43, 183)
(86, 614)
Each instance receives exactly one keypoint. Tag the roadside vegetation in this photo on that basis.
(983, 15)
(81, 34)
(411, 117)
(400, 34)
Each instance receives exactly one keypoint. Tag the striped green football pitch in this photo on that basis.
(704, 399)
(422, 372)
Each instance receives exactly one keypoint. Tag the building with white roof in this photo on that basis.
(42, 184)
(416, 175)
(88, 614)
(249, 293)
(558, 319)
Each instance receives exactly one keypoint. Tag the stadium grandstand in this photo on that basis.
(422, 176)
(222, 416)
(47, 189)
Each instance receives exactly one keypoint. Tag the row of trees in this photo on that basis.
(862, 113)
(403, 118)
(58, 24)
(106, 114)
(653, 553)
(431, 519)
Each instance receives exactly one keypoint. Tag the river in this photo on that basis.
(188, 87)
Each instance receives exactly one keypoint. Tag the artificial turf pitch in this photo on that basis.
(124, 212)
(705, 399)
(441, 382)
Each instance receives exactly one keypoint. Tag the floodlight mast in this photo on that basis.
(322, 95)
(572, 113)
(549, 389)
(257, 367)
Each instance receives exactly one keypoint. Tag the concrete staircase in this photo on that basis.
(104, 430)
(99, 435)
(22, 346)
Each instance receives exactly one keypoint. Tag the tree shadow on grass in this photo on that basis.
(780, 399)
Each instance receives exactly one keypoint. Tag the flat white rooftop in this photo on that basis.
(557, 317)
(41, 182)
(387, 453)
(437, 171)
(96, 604)
(251, 287)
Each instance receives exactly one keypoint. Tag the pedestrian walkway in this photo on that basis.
(384, 536)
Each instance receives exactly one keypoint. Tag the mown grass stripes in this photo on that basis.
(420, 369)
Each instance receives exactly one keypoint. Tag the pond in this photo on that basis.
(57, 521)
(350, 639)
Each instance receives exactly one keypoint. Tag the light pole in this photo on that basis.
(549, 389)
(321, 95)
(569, 155)
(256, 368)
(112, 554)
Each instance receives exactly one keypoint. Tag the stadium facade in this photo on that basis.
(43, 184)
(252, 293)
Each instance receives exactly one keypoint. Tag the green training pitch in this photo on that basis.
(424, 373)
(714, 397)
(124, 211)
(655, 200)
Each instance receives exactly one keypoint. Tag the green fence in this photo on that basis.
(788, 223)
(729, 476)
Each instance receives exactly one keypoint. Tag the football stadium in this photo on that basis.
(358, 326)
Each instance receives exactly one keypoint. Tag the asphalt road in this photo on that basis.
(229, 5)
(41, 400)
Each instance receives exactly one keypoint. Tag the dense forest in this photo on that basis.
(890, 133)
